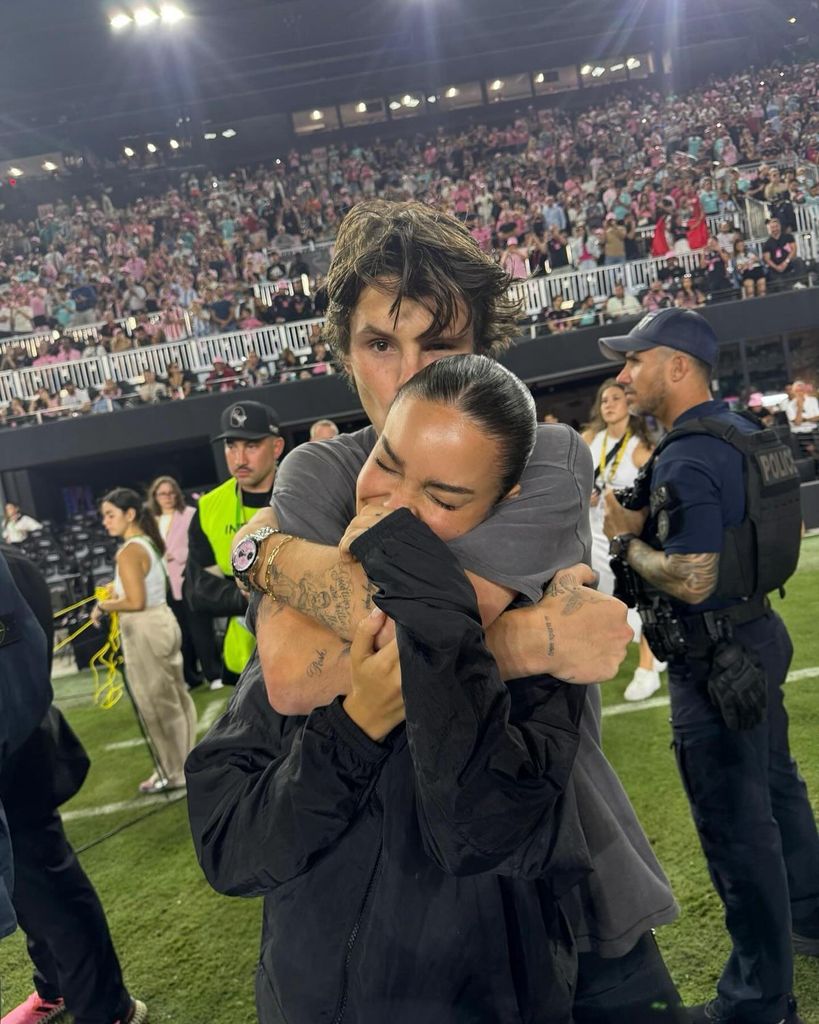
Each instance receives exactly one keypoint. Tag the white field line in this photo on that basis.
(123, 805)
(206, 720)
(659, 702)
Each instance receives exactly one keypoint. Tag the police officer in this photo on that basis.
(250, 431)
(712, 526)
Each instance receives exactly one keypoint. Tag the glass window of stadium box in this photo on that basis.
(319, 119)
(616, 69)
(462, 94)
(509, 87)
(555, 80)
(729, 375)
(765, 364)
(803, 353)
(362, 112)
(408, 104)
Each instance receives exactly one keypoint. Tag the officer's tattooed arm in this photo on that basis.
(689, 578)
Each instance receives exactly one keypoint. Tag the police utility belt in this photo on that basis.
(758, 555)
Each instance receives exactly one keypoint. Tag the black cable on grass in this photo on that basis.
(171, 798)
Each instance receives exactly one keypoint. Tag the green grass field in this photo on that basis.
(190, 954)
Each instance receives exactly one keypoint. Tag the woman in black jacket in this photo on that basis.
(418, 836)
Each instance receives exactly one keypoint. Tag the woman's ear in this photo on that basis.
(513, 492)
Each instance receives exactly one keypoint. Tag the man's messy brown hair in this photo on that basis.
(420, 254)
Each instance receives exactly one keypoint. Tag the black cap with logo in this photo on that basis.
(248, 421)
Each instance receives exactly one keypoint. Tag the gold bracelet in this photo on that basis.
(271, 558)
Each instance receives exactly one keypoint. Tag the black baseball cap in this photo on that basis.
(681, 329)
(248, 421)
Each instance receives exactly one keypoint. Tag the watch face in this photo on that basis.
(244, 555)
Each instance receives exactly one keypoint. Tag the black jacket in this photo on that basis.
(204, 591)
(416, 879)
(51, 766)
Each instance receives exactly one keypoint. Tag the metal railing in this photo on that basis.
(193, 354)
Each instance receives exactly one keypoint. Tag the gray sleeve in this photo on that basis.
(546, 528)
(314, 491)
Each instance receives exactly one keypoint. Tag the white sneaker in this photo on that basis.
(644, 682)
(660, 666)
(216, 684)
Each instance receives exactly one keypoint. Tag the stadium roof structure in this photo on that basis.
(69, 80)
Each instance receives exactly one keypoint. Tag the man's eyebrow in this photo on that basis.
(381, 332)
(389, 450)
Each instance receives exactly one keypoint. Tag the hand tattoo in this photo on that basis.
(550, 633)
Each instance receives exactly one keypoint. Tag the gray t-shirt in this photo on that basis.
(520, 545)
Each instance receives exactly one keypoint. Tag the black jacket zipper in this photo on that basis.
(342, 1002)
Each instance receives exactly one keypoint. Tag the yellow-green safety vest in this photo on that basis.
(221, 514)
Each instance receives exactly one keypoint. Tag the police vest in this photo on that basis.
(221, 513)
(761, 553)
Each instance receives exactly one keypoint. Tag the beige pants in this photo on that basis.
(151, 644)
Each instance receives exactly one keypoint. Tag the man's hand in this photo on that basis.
(619, 520)
(366, 518)
(572, 633)
(375, 702)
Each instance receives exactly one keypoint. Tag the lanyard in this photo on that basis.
(614, 457)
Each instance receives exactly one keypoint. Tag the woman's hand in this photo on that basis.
(376, 703)
(366, 518)
(97, 615)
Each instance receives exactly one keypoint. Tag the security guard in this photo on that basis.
(711, 526)
(253, 447)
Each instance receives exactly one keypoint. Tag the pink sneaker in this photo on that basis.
(35, 1011)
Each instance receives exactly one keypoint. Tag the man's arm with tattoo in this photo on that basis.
(554, 636)
(689, 578)
(304, 664)
(311, 579)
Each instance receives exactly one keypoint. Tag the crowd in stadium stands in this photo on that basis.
(557, 190)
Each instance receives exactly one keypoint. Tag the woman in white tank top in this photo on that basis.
(620, 447)
(151, 640)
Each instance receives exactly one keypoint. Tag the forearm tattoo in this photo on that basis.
(689, 578)
(332, 598)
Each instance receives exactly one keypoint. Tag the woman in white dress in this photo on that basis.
(620, 447)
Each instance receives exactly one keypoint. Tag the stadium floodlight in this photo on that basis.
(316, 115)
(791, 20)
(497, 85)
(395, 105)
(144, 16)
(128, 151)
(407, 100)
(49, 166)
(432, 99)
(173, 144)
(586, 69)
(228, 133)
(151, 147)
(539, 78)
(451, 93)
(210, 136)
(361, 108)
(598, 71)
(617, 67)
(121, 20)
(633, 63)
(171, 14)
(16, 172)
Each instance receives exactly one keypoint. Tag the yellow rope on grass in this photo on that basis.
(109, 689)
(77, 604)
